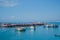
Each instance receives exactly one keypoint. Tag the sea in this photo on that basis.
(39, 33)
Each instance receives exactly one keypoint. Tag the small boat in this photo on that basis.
(51, 26)
(32, 27)
(20, 29)
(57, 35)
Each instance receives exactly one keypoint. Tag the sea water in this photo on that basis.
(40, 33)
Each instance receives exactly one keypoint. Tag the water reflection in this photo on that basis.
(3, 29)
(20, 32)
(32, 28)
(46, 28)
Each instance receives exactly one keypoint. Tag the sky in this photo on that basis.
(29, 10)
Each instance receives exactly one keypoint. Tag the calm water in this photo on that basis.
(40, 33)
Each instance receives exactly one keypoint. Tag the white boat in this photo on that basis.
(21, 29)
(51, 25)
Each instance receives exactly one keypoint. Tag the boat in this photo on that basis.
(20, 29)
(57, 35)
(51, 25)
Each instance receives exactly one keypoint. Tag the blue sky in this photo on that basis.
(29, 10)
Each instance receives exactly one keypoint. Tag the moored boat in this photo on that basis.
(20, 29)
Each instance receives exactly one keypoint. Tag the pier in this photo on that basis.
(22, 25)
(29, 25)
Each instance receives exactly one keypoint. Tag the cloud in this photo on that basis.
(8, 3)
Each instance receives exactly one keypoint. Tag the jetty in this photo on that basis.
(22, 25)
(29, 25)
